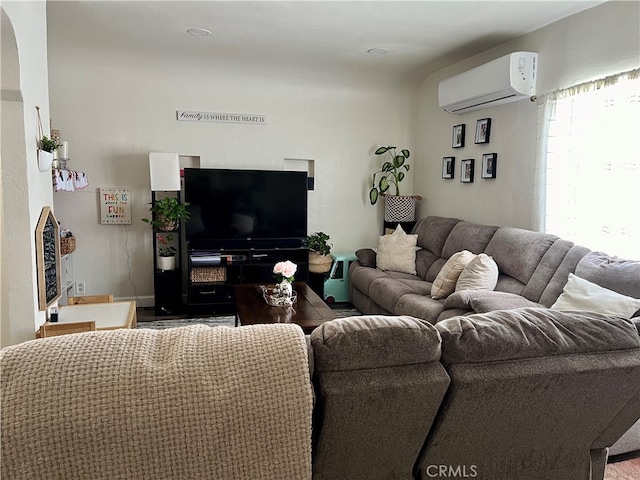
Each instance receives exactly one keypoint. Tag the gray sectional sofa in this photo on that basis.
(533, 269)
(524, 394)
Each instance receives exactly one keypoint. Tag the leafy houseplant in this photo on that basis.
(167, 214)
(47, 144)
(164, 249)
(319, 242)
(319, 252)
(391, 173)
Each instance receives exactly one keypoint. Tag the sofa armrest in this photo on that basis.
(367, 257)
(483, 301)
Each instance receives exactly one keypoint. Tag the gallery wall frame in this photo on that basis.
(448, 167)
(489, 165)
(483, 130)
(457, 136)
(466, 170)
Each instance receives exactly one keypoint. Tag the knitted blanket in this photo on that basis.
(184, 403)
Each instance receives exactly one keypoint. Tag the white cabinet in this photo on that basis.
(66, 278)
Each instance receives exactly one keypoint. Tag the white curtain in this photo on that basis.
(588, 164)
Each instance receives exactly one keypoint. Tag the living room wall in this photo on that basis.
(589, 45)
(25, 190)
(115, 107)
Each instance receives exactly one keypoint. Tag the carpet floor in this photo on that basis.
(625, 470)
(223, 320)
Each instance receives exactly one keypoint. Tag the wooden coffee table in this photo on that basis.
(309, 311)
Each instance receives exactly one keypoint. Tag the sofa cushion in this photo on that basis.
(468, 236)
(433, 232)
(419, 306)
(506, 301)
(619, 275)
(580, 294)
(559, 279)
(372, 341)
(546, 269)
(397, 252)
(518, 252)
(366, 257)
(480, 274)
(465, 300)
(530, 333)
(445, 282)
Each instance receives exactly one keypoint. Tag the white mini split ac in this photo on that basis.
(505, 79)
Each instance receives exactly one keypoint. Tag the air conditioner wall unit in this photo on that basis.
(505, 79)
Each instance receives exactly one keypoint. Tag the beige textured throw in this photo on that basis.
(185, 403)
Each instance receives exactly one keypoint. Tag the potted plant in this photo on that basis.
(46, 147)
(167, 213)
(398, 208)
(166, 253)
(319, 252)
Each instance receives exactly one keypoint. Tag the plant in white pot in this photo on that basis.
(398, 208)
(46, 147)
(319, 252)
(166, 259)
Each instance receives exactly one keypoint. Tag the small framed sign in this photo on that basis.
(115, 206)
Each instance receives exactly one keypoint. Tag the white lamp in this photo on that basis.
(164, 169)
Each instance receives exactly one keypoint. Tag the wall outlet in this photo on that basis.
(79, 288)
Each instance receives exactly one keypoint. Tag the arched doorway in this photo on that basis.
(16, 263)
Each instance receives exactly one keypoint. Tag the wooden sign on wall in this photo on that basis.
(250, 118)
(115, 206)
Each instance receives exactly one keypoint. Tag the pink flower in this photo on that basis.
(285, 270)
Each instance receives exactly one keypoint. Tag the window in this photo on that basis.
(588, 165)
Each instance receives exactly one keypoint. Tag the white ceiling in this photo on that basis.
(319, 37)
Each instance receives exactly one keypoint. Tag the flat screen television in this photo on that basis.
(245, 208)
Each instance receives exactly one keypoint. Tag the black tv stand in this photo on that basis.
(212, 272)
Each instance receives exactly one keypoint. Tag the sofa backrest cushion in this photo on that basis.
(468, 236)
(518, 252)
(547, 267)
(530, 333)
(559, 279)
(374, 341)
(619, 275)
(433, 232)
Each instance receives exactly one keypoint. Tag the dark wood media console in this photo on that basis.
(212, 274)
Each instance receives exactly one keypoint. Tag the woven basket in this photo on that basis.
(208, 274)
(399, 208)
(67, 245)
(319, 263)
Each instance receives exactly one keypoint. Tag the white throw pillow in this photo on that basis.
(397, 252)
(445, 283)
(580, 294)
(480, 274)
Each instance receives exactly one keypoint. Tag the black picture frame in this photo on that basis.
(483, 130)
(466, 170)
(448, 167)
(457, 136)
(489, 165)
